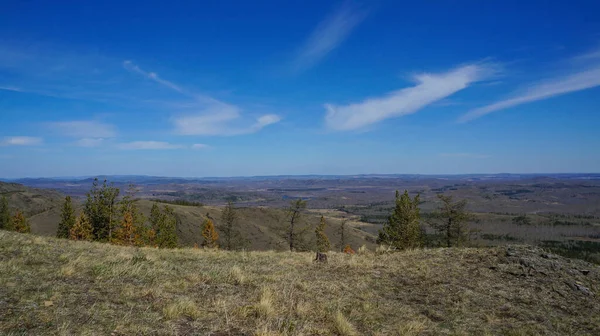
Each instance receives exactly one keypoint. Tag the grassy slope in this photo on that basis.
(32, 201)
(51, 286)
(262, 227)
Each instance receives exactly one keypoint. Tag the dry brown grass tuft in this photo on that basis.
(183, 307)
(342, 326)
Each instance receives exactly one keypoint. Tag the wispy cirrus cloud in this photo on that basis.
(84, 129)
(429, 89)
(206, 115)
(21, 141)
(575, 80)
(328, 35)
(148, 145)
(200, 146)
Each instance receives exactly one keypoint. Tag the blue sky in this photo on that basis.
(232, 88)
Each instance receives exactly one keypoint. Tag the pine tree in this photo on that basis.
(127, 233)
(82, 230)
(166, 228)
(403, 228)
(454, 218)
(323, 244)
(294, 212)
(131, 230)
(342, 232)
(209, 234)
(100, 209)
(4, 214)
(20, 223)
(232, 237)
(155, 216)
(67, 219)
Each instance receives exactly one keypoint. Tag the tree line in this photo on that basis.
(105, 217)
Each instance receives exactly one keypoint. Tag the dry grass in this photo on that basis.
(99, 289)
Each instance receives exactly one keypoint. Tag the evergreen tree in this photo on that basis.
(4, 213)
(453, 221)
(323, 244)
(342, 232)
(20, 223)
(155, 216)
(232, 237)
(166, 236)
(127, 232)
(294, 211)
(67, 219)
(131, 230)
(100, 209)
(403, 228)
(82, 230)
(209, 234)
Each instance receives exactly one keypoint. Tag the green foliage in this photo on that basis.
(100, 209)
(232, 237)
(67, 219)
(403, 228)
(453, 221)
(294, 212)
(131, 230)
(323, 244)
(20, 223)
(4, 213)
(163, 232)
(342, 232)
(209, 234)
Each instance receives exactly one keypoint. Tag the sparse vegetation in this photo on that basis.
(57, 286)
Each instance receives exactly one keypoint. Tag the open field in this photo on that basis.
(53, 286)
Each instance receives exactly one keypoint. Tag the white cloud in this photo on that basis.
(221, 120)
(10, 88)
(200, 146)
(328, 35)
(430, 88)
(148, 145)
(84, 129)
(21, 141)
(584, 74)
(466, 155)
(151, 75)
(554, 87)
(211, 116)
(89, 142)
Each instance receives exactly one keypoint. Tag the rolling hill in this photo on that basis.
(263, 227)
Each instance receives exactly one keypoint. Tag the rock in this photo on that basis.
(48, 303)
(510, 252)
(583, 289)
(548, 256)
